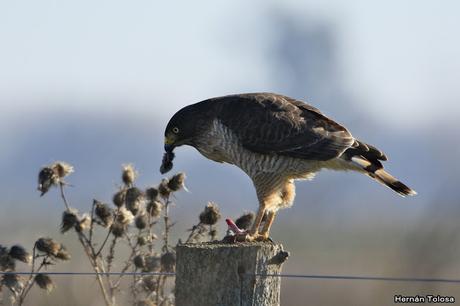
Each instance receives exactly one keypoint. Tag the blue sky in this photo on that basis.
(389, 71)
(394, 55)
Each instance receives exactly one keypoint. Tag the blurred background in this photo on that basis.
(94, 84)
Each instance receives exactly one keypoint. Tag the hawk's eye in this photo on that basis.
(175, 130)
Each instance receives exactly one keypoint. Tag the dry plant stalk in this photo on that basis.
(130, 223)
(46, 252)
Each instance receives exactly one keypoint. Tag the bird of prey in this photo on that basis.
(275, 140)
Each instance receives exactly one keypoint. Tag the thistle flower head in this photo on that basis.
(69, 220)
(244, 222)
(19, 253)
(3, 250)
(7, 262)
(118, 229)
(139, 261)
(52, 248)
(47, 178)
(145, 303)
(152, 263)
(163, 188)
(124, 216)
(44, 282)
(141, 221)
(119, 198)
(176, 182)
(104, 213)
(134, 199)
(84, 223)
(12, 282)
(142, 240)
(62, 169)
(210, 215)
(48, 246)
(151, 194)
(149, 283)
(154, 208)
(52, 175)
(63, 254)
(129, 174)
(168, 262)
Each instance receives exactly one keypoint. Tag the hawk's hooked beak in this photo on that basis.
(169, 144)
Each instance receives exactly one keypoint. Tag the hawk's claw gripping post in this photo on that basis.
(244, 236)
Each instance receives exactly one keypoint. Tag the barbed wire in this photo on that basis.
(304, 276)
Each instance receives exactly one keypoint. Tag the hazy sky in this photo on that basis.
(397, 57)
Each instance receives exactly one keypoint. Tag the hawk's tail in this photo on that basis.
(368, 159)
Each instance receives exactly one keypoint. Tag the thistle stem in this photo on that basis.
(89, 250)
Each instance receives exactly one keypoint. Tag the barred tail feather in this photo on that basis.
(375, 170)
(388, 180)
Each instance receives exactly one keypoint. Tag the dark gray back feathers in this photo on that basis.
(273, 124)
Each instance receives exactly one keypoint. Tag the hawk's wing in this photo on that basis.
(274, 124)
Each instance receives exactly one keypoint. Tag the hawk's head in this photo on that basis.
(182, 128)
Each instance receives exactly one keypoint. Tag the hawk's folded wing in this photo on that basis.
(274, 124)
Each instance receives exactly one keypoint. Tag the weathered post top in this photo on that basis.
(218, 274)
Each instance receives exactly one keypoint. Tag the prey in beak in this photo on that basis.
(167, 164)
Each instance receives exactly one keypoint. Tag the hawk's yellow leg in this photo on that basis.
(268, 223)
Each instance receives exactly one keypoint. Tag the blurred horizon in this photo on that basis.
(94, 84)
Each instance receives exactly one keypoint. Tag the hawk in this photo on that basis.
(275, 140)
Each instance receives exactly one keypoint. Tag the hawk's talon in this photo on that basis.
(243, 237)
(262, 238)
(246, 237)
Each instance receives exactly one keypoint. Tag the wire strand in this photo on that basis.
(304, 276)
(370, 278)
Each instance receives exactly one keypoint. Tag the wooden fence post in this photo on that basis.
(210, 274)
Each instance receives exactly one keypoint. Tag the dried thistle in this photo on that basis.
(134, 199)
(150, 283)
(47, 178)
(152, 194)
(139, 261)
(177, 182)
(62, 169)
(168, 262)
(7, 263)
(44, 282)
(154, 208)
(52, 248)
(245, 221)
(69, 220)
(141, 221)
(119, 198)
(151, 263)
(210, 215)
(104, 213)
(3, 251)
(129, 174)
(118, 229)
(145, 303)
(124, 216)
(48, 246)
(142, 240)
(84, 223)
(163, 188)
(12, 282)
(63, 254)
(19, 253)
